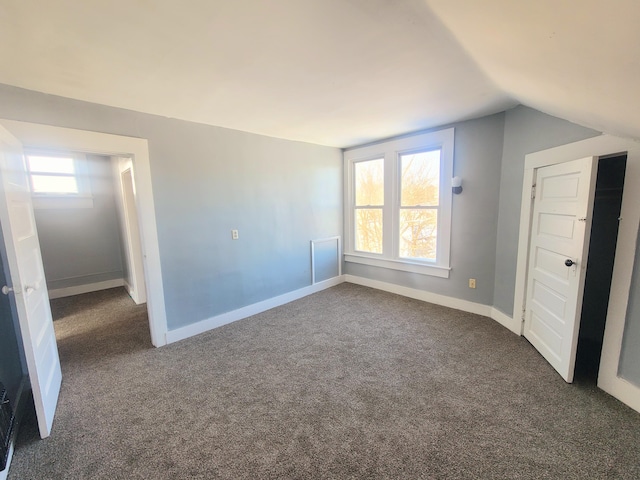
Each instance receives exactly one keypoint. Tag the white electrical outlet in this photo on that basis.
(472, 283)
(234, 234)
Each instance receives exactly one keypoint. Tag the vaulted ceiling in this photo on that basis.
(332, 72)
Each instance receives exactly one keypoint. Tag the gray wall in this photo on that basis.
(525, 131)
(629, 367)
(82, 245)
(477, 156)
(12, 361)
(207, 180)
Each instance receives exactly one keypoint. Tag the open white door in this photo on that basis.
(28, 284)
(560, 233)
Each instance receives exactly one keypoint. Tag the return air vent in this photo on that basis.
(7, 422)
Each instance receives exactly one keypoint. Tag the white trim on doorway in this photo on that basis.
(47, 136)
(604, 145)
(126, 200)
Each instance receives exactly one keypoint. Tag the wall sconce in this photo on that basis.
(456, 185)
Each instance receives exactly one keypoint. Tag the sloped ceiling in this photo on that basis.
(332, 72)
(575, 59)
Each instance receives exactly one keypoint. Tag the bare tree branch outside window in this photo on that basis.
(418, 222)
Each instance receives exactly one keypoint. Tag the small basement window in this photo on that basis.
(58, 180)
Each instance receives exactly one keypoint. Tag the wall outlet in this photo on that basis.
(234, 234)
(472, 283)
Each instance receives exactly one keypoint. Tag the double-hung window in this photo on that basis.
(398, 208)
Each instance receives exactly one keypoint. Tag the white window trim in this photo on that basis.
(391, 151)
(82, 199)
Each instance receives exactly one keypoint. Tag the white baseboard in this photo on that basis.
(444, 300)
(244, 312)
(133, 293)
(89, 287)
(622, 389)
(506, 321)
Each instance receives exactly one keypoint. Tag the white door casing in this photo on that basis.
(560, 233)
(135, 281)
(28, 282)
(602, 146)
(68, 139)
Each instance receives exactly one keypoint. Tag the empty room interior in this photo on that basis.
(320, 239)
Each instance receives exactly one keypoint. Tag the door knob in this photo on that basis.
(568, 262)
(7, 290)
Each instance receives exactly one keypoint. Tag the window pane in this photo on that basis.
(50, 164)
(369, 230)
(418, 233)
(369, 177)
(420, 178)
(53, 184)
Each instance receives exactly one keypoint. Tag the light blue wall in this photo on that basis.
(208, 180)
(82, 245)
(629, 367)
(525, 131)
(13, 366)
(477, 156)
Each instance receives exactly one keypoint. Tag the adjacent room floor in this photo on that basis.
(347, 383)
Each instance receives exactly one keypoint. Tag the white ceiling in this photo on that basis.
(332, 72)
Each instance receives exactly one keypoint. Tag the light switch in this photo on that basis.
(234, 234)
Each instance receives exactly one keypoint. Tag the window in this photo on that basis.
(52, 175)
(58, 180)
(398, 209)
(369, 186)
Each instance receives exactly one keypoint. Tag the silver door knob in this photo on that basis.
(6, 290)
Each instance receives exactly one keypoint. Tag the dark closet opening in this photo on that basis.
(602, 250)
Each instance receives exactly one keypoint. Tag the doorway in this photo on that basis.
(77, 218)
(602, 249)
(606, 147)
(132, 244)
(136, 149)
(26, 264)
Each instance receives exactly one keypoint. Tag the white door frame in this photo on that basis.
(128, 210)
(603, 145)
(47, 136)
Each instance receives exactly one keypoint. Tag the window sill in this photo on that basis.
(49, 202)
(402, 265)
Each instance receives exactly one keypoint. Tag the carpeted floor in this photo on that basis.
(348, 383)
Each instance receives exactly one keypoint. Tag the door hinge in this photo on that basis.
(533, 191)
(524, 311)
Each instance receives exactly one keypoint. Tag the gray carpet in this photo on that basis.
(348, 383)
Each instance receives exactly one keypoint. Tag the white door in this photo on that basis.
(560, 233)
(28, 282)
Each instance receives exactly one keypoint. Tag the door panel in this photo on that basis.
(560, 232)
(28, 281)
